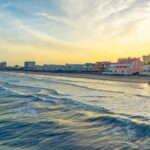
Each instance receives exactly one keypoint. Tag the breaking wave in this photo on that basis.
(38, 115)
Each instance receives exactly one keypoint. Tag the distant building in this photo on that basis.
(146, 68)
(50, 68)
(90, 67)
(3, 65)
(29, 65)
(16, 67)
(39, 68)
(146, 59)
(102, 66)
(127, 66)
(74, 67)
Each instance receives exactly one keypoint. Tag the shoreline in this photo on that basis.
(130, 79)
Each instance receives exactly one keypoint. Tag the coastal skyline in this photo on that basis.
(73, 31)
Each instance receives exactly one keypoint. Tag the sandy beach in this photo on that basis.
(133, 79)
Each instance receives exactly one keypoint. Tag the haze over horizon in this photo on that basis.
(73, 31)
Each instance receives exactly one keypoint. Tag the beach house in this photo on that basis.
(102, 66)
(127, 66)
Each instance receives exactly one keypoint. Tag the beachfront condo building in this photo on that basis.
(146, 59)
(3, 65)
(29, 65)
(127, 66)
(146, 68)
(102, 66)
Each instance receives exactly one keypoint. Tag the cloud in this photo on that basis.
(89, 23)
(62, 20)
(30, 34)
(106, 18)
(90, 20)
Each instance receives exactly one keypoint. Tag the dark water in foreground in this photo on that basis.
(60, 113)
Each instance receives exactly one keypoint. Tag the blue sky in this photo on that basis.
(76, 30)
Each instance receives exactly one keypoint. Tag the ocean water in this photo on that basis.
(60, 113)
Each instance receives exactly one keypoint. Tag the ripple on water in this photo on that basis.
(44, 113)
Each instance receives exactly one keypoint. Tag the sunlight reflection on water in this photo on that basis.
(41, 112)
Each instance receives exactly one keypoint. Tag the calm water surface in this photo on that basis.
(60, 113)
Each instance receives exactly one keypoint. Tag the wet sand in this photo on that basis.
(133, 79)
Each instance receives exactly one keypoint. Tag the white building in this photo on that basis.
(29, 65)
(146, 68)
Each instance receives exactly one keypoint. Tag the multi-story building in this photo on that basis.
(16, 67)
(29, 65)
(88, 67)
(3, 65)
(146, 68)
(127, 66)
(146, 59)
(74, 67)
(102, 66)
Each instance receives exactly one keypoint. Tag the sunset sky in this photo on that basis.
(73, 31)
